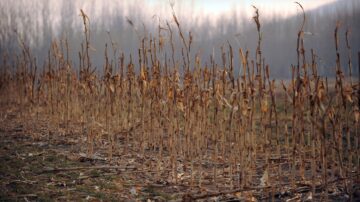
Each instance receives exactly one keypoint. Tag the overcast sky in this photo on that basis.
(189, 11)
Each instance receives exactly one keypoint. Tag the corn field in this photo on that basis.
(230, 127)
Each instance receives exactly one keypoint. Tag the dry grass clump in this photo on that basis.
(200, 124)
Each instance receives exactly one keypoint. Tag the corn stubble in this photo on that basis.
(200, 125)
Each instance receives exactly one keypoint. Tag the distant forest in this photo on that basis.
(279, 35)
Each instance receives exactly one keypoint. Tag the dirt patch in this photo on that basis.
(30, 171)
(41, 162)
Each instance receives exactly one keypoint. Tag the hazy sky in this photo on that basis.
(216, 8)
(190, 12)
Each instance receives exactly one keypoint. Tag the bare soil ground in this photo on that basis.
(36, 164)
(41, 162)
